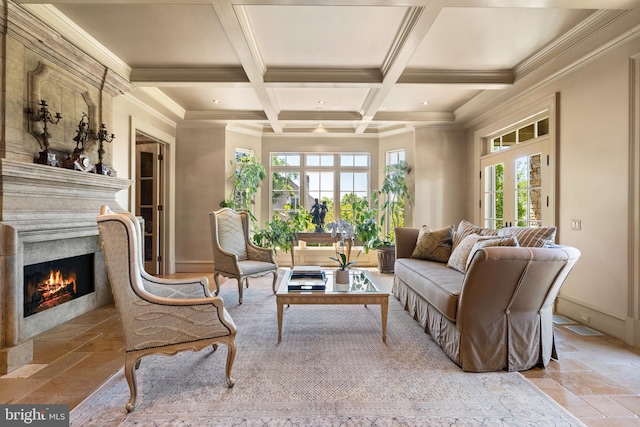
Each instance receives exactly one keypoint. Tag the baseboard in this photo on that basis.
(603, 322)
(194, 267)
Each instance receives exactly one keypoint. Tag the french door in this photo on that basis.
(149, 203)
(516, 186)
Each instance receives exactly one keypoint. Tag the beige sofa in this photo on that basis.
(495, 316)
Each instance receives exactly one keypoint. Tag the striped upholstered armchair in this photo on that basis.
(159, 316)
(234, 255)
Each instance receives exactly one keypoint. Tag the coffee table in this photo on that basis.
(361, 290)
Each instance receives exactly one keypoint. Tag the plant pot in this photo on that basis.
(386, 258)
(342, 277)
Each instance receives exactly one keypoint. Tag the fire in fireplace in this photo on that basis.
(52, 283)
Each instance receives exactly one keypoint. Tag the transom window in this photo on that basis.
(530, 130)
(298, 179)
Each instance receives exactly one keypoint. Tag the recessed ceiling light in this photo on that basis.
(425, 102)
(321, 102)
(216, 101)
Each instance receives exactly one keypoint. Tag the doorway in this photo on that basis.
(149, 199)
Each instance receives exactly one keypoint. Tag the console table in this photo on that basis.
(319, 238)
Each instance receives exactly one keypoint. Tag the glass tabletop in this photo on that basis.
(360, 281)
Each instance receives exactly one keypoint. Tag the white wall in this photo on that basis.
(593, 184)
(200, 176)
(439, 177)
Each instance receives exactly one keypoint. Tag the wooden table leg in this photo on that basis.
(384, 308)
(280, 310)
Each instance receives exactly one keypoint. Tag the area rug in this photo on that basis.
(331, 369)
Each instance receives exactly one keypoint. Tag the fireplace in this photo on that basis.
(48, 233)
(52, 283)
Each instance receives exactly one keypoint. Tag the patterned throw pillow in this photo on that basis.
(465, 228)
(537, 237)
(460, 255)
(434, 245)
(494, 241)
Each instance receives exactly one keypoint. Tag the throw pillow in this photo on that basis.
(434, 245)
(537, 237)
(494, 241)
(466, 228)
(459, 255)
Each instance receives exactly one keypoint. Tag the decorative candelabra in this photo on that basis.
(102, 136)
(43, 115)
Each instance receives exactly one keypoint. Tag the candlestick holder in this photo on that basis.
(102, 136)
(43, 115)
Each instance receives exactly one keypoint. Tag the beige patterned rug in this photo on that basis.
(331, 369)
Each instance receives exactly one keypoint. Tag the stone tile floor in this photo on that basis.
(597, 378)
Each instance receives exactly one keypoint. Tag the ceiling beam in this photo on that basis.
(236, 24)
(158, 77)
(493, 77)
(415, 26)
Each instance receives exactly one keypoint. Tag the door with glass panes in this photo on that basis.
(515, 187)
(149, 202)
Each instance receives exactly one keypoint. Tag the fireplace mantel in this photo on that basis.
(47, 212)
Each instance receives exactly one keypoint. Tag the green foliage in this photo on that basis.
(341, 259)
(365, 217)
(395, 191)
(247, 179)
(280, 232)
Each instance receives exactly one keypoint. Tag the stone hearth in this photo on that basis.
(48, 213)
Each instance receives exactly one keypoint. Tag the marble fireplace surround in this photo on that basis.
(48, 213)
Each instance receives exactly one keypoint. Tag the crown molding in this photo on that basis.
(133, 98)
(83, 40)
(527, 81)
(245, 129)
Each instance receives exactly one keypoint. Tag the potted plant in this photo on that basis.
(396, 193)
(367, 229)
(247, 178)
(280, 232)
(342, 274)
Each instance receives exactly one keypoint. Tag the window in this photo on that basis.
(516, 177)
(535, 129)
(337, 179)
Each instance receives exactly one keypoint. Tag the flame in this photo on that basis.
(56, 283)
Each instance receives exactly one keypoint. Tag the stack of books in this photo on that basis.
(307, 278)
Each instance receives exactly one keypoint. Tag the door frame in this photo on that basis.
(167, 248)
(480, 138)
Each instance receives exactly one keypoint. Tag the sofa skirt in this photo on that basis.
(442, 330)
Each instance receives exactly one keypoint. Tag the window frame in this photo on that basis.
(302, 169)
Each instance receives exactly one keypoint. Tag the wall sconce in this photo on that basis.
(102, 136)
(43, 115)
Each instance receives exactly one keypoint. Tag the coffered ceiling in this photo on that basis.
(353, 66)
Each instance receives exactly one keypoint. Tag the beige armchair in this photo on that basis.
(234, 255)
(159, 316)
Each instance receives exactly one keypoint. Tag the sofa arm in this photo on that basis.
(506, 304)
(406, 238)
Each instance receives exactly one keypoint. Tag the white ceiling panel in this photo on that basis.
(320, 99)
(491, 38)
(202, 98)
(156, 35)
(320, 36)
(438, 97)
